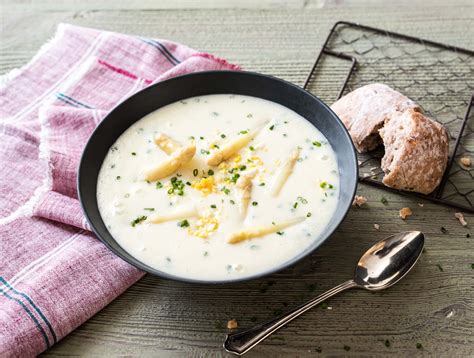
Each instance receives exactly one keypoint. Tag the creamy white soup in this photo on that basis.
(218, 187)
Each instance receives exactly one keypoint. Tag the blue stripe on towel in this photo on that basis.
(171, 58)
(34, 306)
(43, 333)
(71, 101)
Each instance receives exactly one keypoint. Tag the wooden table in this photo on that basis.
(433, 306)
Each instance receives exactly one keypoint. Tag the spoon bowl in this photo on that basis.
(389, 260)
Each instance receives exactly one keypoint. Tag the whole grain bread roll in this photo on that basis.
(365, 110)
(416, 152)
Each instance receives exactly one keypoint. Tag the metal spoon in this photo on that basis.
(383, 265)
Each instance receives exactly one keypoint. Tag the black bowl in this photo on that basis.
(204, 83)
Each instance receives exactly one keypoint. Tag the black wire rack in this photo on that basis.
(439, 77)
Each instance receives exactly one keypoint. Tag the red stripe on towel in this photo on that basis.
(122, 71)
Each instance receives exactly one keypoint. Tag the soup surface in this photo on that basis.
(218, 187)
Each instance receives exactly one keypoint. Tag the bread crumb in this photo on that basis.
(359, 200)
(232, 324)
(405, 213)
(376, 226)
(461, 219)
(465, 161)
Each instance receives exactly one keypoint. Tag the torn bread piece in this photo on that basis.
(359, 201)
(179, 214)
(416, 152)
(255, 232)
(232, 324)
(172, 163)
(466, 161)
(460, 217)
(284, 172)
(365, 110)
(166, 143)
(227, 150)
(244, 189)
(405, 213)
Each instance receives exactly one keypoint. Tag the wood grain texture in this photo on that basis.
(434, 305)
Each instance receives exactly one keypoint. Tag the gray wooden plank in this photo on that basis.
(205, 4)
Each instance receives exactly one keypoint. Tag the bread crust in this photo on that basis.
(416, 152)
(365, 110)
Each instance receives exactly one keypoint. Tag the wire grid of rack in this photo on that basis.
(439, 77)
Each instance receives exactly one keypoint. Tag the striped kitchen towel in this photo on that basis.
(54, 274)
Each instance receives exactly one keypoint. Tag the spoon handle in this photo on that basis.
(241, 342)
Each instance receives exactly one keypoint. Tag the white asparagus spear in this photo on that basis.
(180, 214)
(172, 163)
(230, 148)
(166, 143)
(252, 233)
(244, 186)
(218, 155)
(284, 172)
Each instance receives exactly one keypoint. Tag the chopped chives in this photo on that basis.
(183, 223)
(138, 220)
(302, 200)
(235, 177)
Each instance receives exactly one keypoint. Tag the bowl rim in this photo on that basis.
(150, 270)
